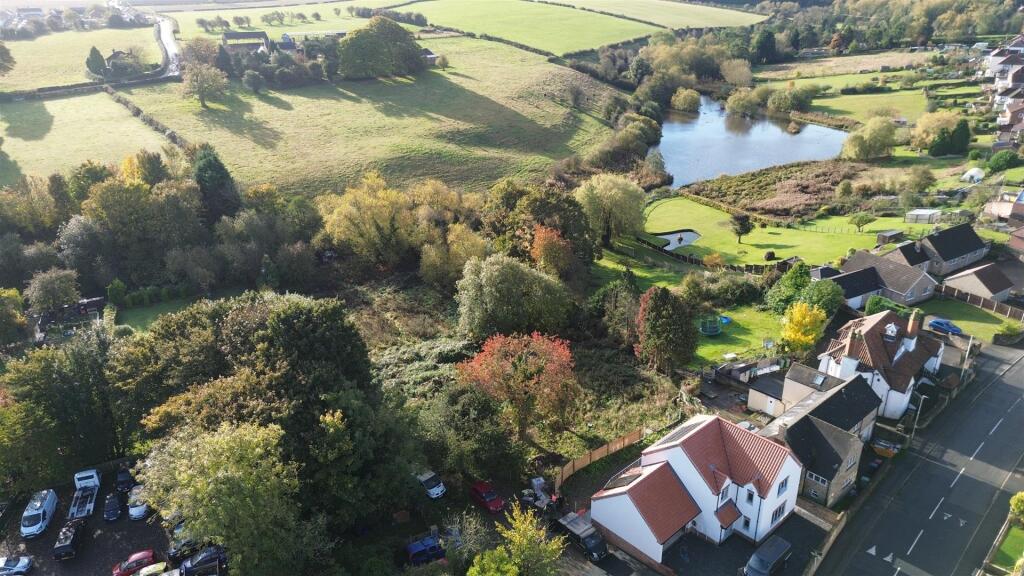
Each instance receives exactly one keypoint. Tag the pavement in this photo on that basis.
(941, 506)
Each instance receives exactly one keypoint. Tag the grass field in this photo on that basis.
(910, 104)
(556, 29)
(974, 321)
(329, 22)
(835, 81)
(673, 14)
(497, 111)
(651, 267)
(841, 64)
(1010, 549)
(43, 136)
(57, 59)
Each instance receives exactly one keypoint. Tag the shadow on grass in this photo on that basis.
(32, 121)
(275, 101)
(10, 172)
(235, 115)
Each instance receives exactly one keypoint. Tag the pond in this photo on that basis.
(679, 238)
(711, 143)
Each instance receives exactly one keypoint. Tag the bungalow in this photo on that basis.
(909, 253)
(953, 248)
(707, 477)
(986, 281)
(889, 352)
(865, 274)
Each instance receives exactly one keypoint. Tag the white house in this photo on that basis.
(707, 477)
(889, 352)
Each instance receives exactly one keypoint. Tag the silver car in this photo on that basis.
(15, 565)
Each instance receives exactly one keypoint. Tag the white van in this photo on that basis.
(38, 513)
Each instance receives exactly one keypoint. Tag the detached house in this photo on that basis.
(708, 477)
(864, 275)
(946, 250)
(889, 352)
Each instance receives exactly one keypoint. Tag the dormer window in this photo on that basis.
(891, 332)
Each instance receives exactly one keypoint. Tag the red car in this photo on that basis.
(134, 563)
(483, 494)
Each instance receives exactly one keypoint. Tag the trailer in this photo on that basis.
(582, 533)
(87, 488)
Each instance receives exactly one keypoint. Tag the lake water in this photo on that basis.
(711, 143)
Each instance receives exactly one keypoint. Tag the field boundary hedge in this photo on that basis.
(146, 119)
(602, 12)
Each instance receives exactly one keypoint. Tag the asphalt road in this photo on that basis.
(942, 504)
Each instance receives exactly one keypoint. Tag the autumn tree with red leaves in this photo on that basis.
(532, 376)
(666, 329)
(551, 252)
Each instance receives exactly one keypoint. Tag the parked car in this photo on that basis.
(154, 569)
(424, 551)
(769, 558)
(112, 507)
(137, 507)
(125, 481)
(209, 560)
(484, 495)
(182, 546)
(38, 513)
(944, 326)
(68, 540)
(15, 565)
(134, 563)
(581, 532)
(432, 483)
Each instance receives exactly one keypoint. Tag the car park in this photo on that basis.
(134, 563)
(113, 506)
(15, 565)
(484, 495)
(182, 546)
(69, 539)
(137, 507)
(944, 326)
(432, 483)
(208, 561)
(38, 513)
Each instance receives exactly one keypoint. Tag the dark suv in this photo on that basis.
(69, 539)
(209, 561)
(182, 547)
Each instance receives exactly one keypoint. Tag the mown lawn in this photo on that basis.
(651, 267)
(744, 335)
(497, 111)
(557, 29)
(716, 235)
(841, 64)
(909, 104)
(974, 321)
(58, 59)
(140, 317)
(329, 22)
(1010, 549)
(673, 14)
(44, 136)
(836, 81)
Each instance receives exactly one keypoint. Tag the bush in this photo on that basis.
(876, 304)
(686, 100)
(1017, 507)
(1003, 160)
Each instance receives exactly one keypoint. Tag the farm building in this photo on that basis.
(246, 41)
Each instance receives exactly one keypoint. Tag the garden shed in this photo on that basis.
(923, 216)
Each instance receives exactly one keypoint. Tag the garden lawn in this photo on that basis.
(716, 235)
(45, 136)
(140, 317)
(673, 14)
(841, 64)
(1010, 549)
(651, 267)
(837, 81)
(556, 29)
(842, 224)
(910, 104)
(329, 22)
(744, 336)
(497, 111)
(974, 321)
(58, 59)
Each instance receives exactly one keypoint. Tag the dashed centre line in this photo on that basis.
(915, 542)
(992, 431)
(936, 509)
(1012, 406)
(976, 450)
(958, 474)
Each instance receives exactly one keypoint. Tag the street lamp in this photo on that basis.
(913, 430)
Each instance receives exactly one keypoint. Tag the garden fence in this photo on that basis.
(999, 308)
(781, 266)
(596, 454)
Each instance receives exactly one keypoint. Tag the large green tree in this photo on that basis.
(666, 330)
(218, 191)
(614, 206)
(50, 290)
(381, 48)
(788, 288)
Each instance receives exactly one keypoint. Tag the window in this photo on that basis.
(782, 486)
(779, 513)
(815, 478)
(746, 523)
(724, 496)
(750, 496)
(851, 462)
(848, 482)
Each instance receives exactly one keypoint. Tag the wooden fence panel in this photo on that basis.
(596, 454)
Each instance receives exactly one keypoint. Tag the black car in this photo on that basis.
(769, 558)
(125, 481)
(112, 507)
(182, 546)
(69, 539)
(209, 561)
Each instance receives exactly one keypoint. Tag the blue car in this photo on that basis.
(424, 551)
(945, 326)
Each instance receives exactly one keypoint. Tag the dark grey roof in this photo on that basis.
(812, 378)
(824, 272)
(909, 253)
(769, 384)
(955, 241)
(821, 447)
(990, 276)
(858, 281)
(892, 275)
(848, 405)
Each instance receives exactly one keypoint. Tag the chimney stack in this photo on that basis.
(913, 324)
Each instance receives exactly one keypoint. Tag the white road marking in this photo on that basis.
(978, 449)
(957, 477)
(872, 551)
(897, 572)
(936, 509)
(1014, 405)
(888, 558)
(946, 515)
(915, 542)
(990, 432)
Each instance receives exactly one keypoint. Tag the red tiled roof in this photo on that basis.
(663, 501)
(728, 514)
(721, 450)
